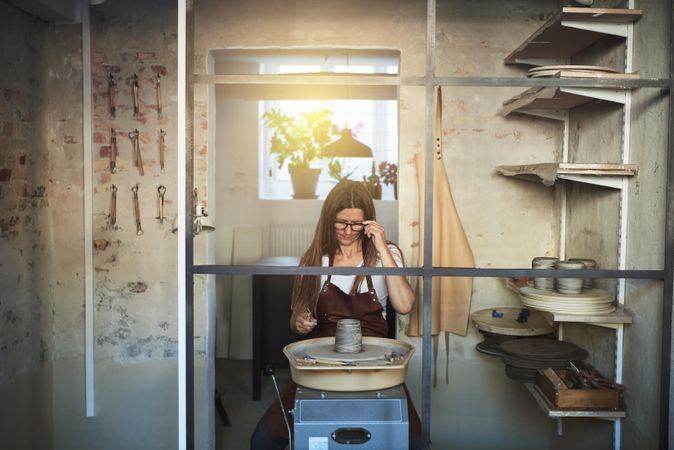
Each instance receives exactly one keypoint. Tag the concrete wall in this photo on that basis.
(645, 228)
(41, 220)
(27, 205)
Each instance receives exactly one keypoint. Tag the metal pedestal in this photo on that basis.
(326, 420)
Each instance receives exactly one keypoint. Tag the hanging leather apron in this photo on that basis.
(333, 305)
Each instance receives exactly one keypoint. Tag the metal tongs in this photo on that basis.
(138, 159)
(113, 207)
(159, 106)
(136, 210)
(161, 190)
(134, 94)
(162, 149)
(113, 150)
(112, 92)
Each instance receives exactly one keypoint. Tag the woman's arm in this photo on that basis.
(400, 293)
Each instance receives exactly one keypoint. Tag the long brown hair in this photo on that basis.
(346, 194)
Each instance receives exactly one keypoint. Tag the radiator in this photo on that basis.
(294, 239)
(290, 239)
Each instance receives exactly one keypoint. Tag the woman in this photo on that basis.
(347, 235)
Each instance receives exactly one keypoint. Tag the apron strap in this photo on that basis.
(331, 259)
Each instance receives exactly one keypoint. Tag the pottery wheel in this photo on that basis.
(370, 352)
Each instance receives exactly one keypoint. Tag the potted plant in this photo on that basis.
(388, 172)
(297, 141)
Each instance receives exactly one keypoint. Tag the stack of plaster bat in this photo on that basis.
(523, 357)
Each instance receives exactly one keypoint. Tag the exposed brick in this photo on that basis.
(144, 57)
(67, 139)
(159, 70)
(5, 174)
(137, 287)
(104, 151)
(101, 244)
(39, 191)
(100, 138)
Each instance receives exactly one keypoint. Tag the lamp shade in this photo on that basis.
(346, 147)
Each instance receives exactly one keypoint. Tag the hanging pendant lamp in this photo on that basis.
(346, 146)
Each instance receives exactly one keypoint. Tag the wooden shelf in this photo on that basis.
(553, 102)
(606, 175)
(612, 320)
(556, 413)
(570, 31)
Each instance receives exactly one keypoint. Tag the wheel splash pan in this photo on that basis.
(348, 374)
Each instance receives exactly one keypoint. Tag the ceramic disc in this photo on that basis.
(370, 352)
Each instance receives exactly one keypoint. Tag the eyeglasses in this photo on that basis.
(355, 226)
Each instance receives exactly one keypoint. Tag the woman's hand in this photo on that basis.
(377, 234)
(304, 322)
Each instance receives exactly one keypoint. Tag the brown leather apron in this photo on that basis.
(334, 304)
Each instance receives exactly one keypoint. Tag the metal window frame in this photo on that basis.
(187, 269)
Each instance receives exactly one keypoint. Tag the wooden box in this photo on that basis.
(554, 384)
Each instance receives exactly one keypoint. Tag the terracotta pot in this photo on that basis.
(304, 181)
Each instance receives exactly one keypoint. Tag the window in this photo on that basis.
(372, 117)
(373, 122)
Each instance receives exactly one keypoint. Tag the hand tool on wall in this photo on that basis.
(113, 151)
(162, 149)
(161, 190)
(134, 94)
(113, 207)
(136, 209)
(112, 93)
(137, 157)
(159, 107)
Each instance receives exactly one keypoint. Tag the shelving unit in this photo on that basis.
(564, 35)
(570, 31)
(554, 102)
(559, 414)
(607, 175)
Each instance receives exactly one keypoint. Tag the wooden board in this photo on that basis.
(584, 74)
(554, 41)
(544, 98)
(554, 383)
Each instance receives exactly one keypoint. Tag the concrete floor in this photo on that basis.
(234, 383)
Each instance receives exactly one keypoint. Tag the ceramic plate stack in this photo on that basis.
(523, 357)
(569, 70)
(595, 301)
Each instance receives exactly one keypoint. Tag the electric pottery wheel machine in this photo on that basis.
(349, 400)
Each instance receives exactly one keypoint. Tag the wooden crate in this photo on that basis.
(554, 383)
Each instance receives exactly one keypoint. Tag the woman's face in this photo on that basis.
(345, 222)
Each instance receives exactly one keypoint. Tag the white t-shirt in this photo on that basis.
(344, 282)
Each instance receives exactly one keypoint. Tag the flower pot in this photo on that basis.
(304, 181)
